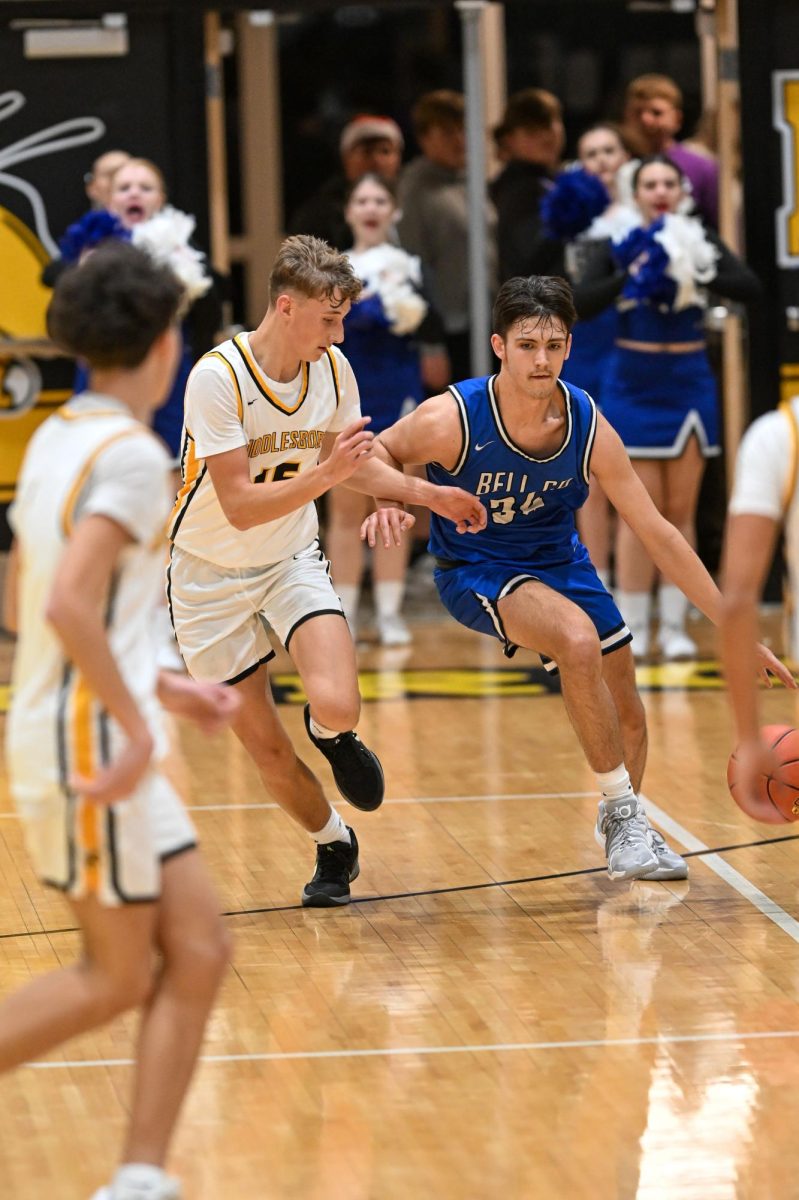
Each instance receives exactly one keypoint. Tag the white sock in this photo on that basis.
(334, 831)
(672, 606)
(636, 608)
(349, 594)
(388, 597)
(321, 731)
(140, 1175)
(615, 786)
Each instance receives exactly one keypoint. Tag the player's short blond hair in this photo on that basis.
(308, 265)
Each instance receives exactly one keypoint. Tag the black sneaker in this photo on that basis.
(336, 867)
(356, 770)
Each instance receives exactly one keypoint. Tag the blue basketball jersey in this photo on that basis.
(531, 502)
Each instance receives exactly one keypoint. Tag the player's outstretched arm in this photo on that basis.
(749, 542)
(431, 433)
(76, 612)
(246, 503)
(210, 706)
(665, 545)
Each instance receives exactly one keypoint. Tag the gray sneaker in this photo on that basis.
(624, 833)
(670, 864)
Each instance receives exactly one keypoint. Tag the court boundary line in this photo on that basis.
(492, 796)
(425, 1051)
(734, 879)
(468, 887)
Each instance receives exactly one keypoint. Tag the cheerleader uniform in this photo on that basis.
(659, 387)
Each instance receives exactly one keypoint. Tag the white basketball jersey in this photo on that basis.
(91, 457)
(766, 473)
(230, 403)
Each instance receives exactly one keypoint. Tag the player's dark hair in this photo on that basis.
(307, 265)
(110, 309)
(663, 160)
(533, 297)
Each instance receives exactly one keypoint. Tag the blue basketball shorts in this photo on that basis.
(471, 593)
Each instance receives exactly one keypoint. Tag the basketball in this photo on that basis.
(780, 790)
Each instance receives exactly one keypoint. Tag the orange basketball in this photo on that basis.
(781, 789)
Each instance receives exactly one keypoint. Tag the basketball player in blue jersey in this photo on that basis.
(523, 441)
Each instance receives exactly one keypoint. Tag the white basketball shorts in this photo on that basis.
(113, 852)
(221, 614)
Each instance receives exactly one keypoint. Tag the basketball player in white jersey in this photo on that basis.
(272, 421)
(86, 729)
(764, 499)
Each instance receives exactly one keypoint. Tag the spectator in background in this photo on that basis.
(652, 120)
(97, 183)
(98, 179)
(435, 220)
(531, 138)
(138, 211)
(583, 209)
(368, 143)
(382, 332)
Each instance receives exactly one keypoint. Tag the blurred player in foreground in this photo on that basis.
(764, 496)
(86, 732)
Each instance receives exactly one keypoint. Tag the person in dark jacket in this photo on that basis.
(531, 138)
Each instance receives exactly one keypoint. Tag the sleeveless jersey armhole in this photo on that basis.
(463, 416)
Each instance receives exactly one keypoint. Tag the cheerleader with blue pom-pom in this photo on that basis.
(583, 210)
(659, 391)
(138, 212)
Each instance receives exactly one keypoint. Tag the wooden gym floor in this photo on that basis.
(494, 1019)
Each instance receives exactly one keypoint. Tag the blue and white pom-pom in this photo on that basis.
(672, 259)
(93, 227)
(394, 276)
(165, 237)
(571, 204)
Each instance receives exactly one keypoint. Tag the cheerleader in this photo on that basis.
(660, 392)
(138, 212)
(380, 342)
(583, 209)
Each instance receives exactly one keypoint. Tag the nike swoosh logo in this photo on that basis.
(478, 447)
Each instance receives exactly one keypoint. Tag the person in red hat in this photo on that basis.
(368, 143)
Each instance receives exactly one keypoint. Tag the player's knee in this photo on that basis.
(679, 513)
(581, 651)
(200, 958)
(339, 712)
(115, 990)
